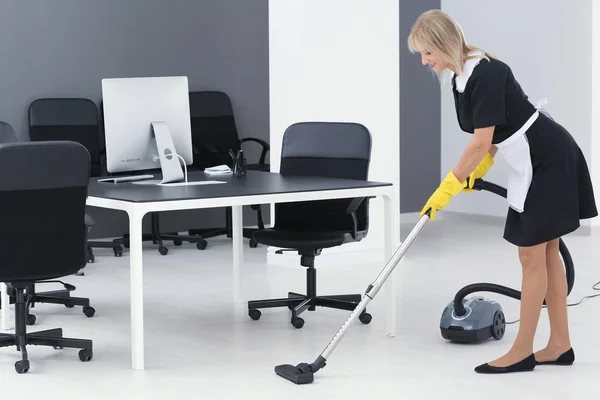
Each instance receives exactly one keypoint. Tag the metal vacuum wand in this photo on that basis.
(304, 372)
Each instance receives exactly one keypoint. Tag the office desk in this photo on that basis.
(255, 188)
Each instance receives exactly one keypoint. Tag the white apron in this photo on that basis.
(515, 150)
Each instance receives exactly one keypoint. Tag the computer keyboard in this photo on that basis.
(131, 178)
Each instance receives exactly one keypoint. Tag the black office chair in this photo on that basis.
(324, 149)
(41, 182)
(8, 135)
(214, 134)
(74, 119)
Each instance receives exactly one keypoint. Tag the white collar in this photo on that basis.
(470, 64)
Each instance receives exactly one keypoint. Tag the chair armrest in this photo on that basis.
(354, 204)
(352, 207)
(265, 147)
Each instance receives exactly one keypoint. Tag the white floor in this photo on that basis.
(200, 345)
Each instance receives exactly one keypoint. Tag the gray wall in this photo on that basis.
(420, 113)
(64, 48)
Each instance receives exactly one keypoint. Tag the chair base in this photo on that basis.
(52, 297)
(298, 303)
(156, 237)
(52, 337)
(208, 233)
(116, 247)
(248, 233)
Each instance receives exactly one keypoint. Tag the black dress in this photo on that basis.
(560, 193)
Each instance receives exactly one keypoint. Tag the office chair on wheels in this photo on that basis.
(214, 134)
(77, 120)
(8, 135)
(56, 196)
(324, 149)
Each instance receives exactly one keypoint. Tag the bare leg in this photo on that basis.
(533, 261)
(556, 301)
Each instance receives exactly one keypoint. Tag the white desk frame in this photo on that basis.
(137, 210)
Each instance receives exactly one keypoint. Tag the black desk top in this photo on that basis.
(254, 184)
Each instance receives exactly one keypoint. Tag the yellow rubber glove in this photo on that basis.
(449, 187)
(480, 171)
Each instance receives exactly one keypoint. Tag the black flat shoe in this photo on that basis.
(566, 358)
(528, 364)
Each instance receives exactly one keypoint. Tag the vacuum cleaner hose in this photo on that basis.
(460, 310)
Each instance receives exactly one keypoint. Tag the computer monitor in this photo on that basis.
(147, 125)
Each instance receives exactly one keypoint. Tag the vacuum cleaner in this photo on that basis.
(477, 319)
(303, 373)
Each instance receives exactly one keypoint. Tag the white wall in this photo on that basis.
(595, 162)
(338, 60)
(547, 44)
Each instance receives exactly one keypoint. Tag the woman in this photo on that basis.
(549, 187)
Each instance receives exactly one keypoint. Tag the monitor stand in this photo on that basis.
(167, 155)
(172, 173)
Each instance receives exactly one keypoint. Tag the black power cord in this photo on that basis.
(595, 287)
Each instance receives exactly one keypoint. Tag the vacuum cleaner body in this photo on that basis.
(483, 320)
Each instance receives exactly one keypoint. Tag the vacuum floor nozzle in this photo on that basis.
(299, 374)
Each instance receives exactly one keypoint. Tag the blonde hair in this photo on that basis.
(437, 32)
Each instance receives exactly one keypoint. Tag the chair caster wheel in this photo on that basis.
(254, 314)
(91, 258)
(22, 366)
(365, 318)
(85, 355)
(177, 242)
(118, 251)
(30, 319)
(89, 311)
(253, 244)
(163, 251)
(201, 244)
(297, 322)
(69, 305)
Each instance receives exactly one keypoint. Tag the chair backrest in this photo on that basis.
(73, 119)
(43, 190)
(325, 149)
(7, 133)
(213, 124)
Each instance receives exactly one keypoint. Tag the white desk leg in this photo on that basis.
(5, 300)
(390, 287)
(137, 290)
(237, 227)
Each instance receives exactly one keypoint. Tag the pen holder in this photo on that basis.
(239, 166)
